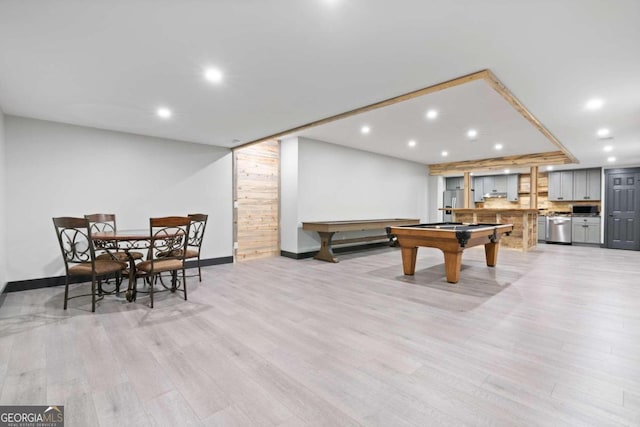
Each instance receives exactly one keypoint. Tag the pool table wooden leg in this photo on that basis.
(491, 253)
(325, 253)
(409, 260)
(452, 265)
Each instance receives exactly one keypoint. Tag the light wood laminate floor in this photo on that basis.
(549, 337)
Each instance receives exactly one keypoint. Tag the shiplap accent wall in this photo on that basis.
(3, 204)
(257, 172)
(56, 169)
(333, 182)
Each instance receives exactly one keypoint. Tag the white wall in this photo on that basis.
(3, 204)
(289, 194)
(436, 198)
(340, 183)
(56, 169)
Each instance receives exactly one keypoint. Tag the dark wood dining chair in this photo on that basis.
(194, 243)
(79, 257)
(167, 249)
(196, 234)
(107, 223)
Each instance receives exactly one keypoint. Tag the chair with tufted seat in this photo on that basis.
(79, 256)
(107, 222)
(167, 249)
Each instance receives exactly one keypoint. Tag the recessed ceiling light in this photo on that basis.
(432, 114)
(214, 75)
(471, 173)
(506, 171)
(549, 168)
(163, 112)
(412, 143)
(472, 133)
(603, 132)
(594, 104)
(444, 154)
(607, 148)
(365, 129)
(611, 159)
(498, 146)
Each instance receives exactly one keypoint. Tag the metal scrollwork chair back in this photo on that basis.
(100, 223)
(79, 257)
(196, 234)
(167, 249)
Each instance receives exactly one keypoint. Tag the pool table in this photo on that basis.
(452, 238)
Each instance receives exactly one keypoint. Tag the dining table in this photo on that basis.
(126, 241)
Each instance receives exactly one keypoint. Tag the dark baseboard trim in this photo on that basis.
(210, 261)
(341, 250)
(294, 255)
(46, 282)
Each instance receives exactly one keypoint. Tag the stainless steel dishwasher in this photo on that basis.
(558, 229)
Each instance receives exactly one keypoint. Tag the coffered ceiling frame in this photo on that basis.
(563, 156)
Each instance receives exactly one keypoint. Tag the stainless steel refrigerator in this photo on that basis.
(452, 199)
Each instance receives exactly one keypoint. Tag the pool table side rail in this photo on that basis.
(445, 226)
(442, 238)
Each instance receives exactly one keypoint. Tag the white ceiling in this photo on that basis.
(290, 62)
(474, 105)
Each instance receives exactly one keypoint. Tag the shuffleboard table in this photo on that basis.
(452, 238)
(326, 230)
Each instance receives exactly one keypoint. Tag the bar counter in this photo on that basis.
(525, 224)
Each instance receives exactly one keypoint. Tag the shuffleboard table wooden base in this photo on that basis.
(327, 229)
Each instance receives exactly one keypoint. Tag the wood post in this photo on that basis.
(467, 190)
(533, 188)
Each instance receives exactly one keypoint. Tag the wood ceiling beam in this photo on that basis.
(497, 85)
(478, 75)
(485, 75)
(496, 163)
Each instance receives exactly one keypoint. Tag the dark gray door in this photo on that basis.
(623, 209)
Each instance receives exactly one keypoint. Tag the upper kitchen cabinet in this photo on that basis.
(586, 184)
(454, 183)
(512, 188)
(495, 186)
(561, 185)
(478, 189)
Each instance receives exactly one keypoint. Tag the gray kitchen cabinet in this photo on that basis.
(585, 230)
(512, 188)
(454, 183)
(561, 185)
(586, 184)
(542, 228)
(489, 183)
(478, 189)
(494, 184)
(500, 184)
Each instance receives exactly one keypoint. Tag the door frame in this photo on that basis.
(607, 202)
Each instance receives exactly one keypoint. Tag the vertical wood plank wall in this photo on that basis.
(257, 191)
